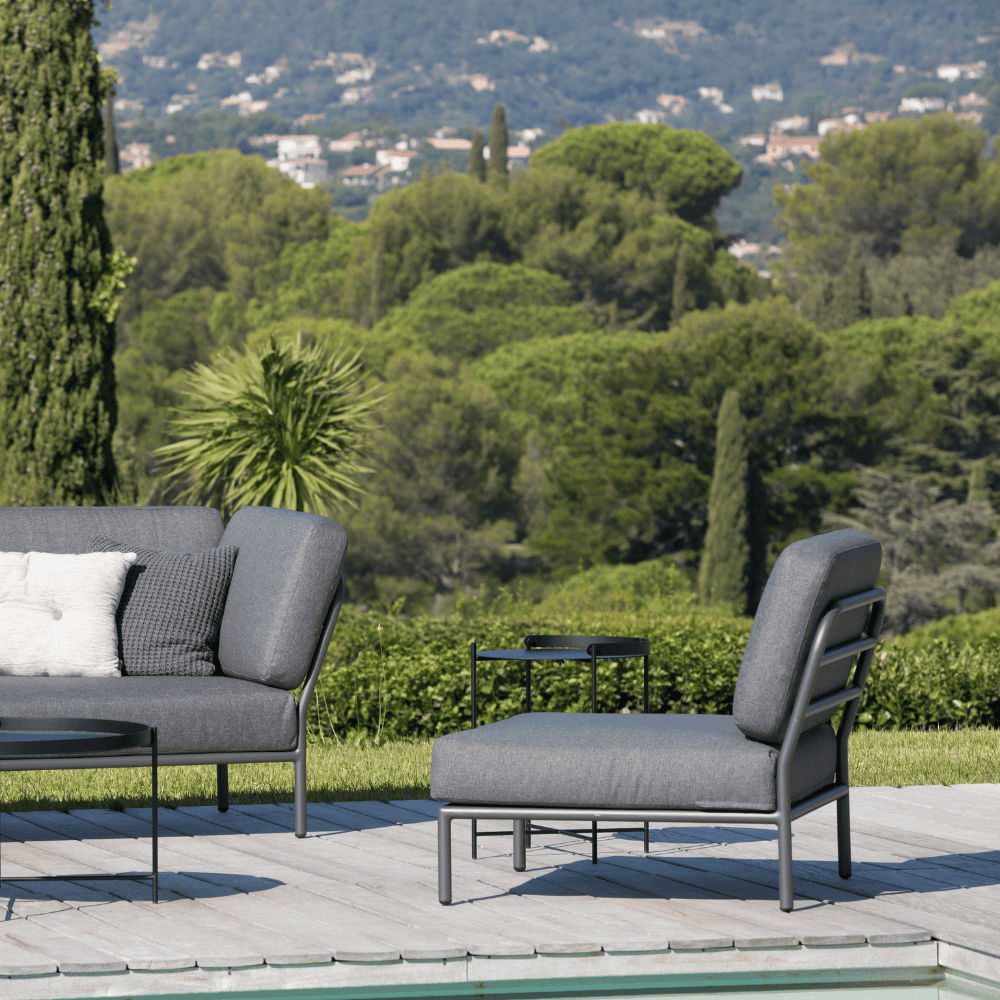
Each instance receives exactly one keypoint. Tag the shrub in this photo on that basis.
(409, 677)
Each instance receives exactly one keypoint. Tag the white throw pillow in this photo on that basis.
(57, 613)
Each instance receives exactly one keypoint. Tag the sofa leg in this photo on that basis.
(444, 857)
(785, 864)
(844, 837)
(300, 795)
(520, 862)
(222, 785)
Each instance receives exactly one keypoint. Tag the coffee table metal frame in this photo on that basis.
(579, 648)
(73, 743)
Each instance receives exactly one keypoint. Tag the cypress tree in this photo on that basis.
(850, 294)
(679, 298)
(477, 162)
(979, 487)
(499, 141)
(723, 576)
(111, 164)
(56, 333)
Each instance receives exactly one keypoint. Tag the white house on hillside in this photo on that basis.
(300, 157)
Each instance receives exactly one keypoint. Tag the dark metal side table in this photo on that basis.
(580, 648)
(73, 743)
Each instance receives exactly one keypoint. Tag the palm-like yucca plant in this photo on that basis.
(283, 426)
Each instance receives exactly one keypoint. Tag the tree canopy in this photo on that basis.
(685, 171)
(910, 184)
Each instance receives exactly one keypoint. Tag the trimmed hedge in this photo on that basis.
(409, 677)
(414, 673)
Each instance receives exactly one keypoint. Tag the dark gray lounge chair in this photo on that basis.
(775, 759)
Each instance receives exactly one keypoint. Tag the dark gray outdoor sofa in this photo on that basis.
(775, 759)
(282, 605)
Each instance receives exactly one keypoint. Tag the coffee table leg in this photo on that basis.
(156, 866)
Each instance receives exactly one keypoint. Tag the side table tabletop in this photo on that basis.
(64, 740)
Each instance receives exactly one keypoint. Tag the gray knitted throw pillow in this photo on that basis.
(170, 611)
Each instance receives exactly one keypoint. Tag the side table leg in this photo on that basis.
(156, 859)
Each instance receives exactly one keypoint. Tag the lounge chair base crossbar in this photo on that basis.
(584, 834)
(522, 816)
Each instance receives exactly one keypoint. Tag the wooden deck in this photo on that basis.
(245, 906)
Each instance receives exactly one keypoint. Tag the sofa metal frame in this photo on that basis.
(805, 707)
(223, 760)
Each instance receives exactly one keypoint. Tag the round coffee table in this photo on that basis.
(59, 741)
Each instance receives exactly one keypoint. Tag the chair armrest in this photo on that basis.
(319, 658)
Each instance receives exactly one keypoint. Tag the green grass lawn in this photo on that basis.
(402, 770)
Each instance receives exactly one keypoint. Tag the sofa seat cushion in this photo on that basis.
(623, 761)
(191, 714)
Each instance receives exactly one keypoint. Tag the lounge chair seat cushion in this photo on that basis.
(623, 761)
(192, 714)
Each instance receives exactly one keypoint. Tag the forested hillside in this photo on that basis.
(552, 348)
(570, 59)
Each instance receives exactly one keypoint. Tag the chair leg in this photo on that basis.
(300, 795)
(593, 843)
(785, 892)
(222, 786)
(444, 857)
(475, 841)
(645, 837)
(520, 862)
(844, 837)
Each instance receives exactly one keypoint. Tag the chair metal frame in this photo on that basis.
(222, 760)
(782, 816)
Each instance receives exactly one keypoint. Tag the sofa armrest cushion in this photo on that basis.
(285, 578)
(170, 611)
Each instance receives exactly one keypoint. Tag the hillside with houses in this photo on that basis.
(361, 100)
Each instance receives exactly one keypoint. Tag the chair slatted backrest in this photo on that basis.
(808, 579)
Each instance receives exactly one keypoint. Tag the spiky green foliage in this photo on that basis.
(284, 426)
(723, 575)
(56, 374)
(477, 163)
(499, 140)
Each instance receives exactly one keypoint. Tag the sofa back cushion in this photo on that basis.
(285, 577)
(809, 576)
(70, 529)
(170, 610)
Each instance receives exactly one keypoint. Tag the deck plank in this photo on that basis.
(239, 889)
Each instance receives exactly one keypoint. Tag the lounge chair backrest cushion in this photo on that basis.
(287, 570)
(70, 529)
(809, 576)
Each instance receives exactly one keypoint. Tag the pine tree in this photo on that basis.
(56, 333)
(111, 164)
(723, 576)
(499, 141)
(477, 162)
